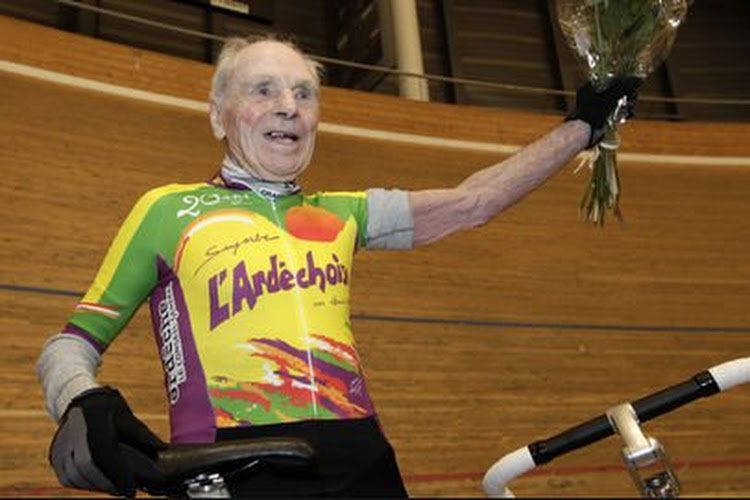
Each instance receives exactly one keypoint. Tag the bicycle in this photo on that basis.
(207, 470)
(645, 458)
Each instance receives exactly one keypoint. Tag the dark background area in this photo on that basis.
(512, 42)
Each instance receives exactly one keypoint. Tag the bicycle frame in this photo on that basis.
(646, 460)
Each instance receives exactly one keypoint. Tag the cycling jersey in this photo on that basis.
(249, 301)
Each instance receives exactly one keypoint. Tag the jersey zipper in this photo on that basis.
(291, 258)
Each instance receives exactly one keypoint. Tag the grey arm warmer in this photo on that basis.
(66, 367)
(390, 224)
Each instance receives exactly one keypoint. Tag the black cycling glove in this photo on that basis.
(85, 451)
(597, 108)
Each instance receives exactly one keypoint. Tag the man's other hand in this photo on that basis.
(85, 451)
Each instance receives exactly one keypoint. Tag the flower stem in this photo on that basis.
(602, 193)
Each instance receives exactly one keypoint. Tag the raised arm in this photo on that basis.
(486, 193)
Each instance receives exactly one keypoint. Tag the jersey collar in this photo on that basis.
(235, 177)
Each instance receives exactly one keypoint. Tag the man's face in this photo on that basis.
(269, 114)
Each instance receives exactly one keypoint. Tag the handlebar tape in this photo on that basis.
(701, 385)
(731, 373)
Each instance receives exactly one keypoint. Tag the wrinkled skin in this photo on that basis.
(270, 112)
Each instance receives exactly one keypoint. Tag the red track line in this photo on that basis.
(424, 478)
(50, 492)
(577, 470)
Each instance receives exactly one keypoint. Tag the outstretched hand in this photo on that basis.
(85, 451)
(597, 107)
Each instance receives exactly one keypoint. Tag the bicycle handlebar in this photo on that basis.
(717, 379)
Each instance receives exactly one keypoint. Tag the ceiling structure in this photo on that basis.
(505, 53)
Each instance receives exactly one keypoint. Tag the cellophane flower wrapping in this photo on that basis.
(616, 38)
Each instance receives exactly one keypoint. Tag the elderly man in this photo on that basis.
(248, 280)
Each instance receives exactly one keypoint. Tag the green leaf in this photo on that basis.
(615, 19)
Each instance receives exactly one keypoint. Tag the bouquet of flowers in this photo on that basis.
(616, 38)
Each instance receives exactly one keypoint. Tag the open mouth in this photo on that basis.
(281, 137)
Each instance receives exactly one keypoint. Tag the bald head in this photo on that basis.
(227, 61)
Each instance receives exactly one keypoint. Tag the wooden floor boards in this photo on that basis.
(474, 346)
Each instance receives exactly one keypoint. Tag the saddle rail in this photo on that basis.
(180, 467)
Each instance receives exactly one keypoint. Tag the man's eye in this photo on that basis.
(263, 90)
(305, 94)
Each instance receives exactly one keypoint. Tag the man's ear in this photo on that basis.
(214, 112)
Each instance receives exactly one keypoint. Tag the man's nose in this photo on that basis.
(286, 104)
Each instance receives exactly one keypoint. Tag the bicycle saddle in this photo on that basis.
(179, 463)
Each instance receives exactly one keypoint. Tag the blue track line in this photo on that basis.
(554, 326)
(465, 322)
(34, 289)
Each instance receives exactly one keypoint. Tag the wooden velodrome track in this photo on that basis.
(474, 346)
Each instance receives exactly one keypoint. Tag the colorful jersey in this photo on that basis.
(249, 303)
